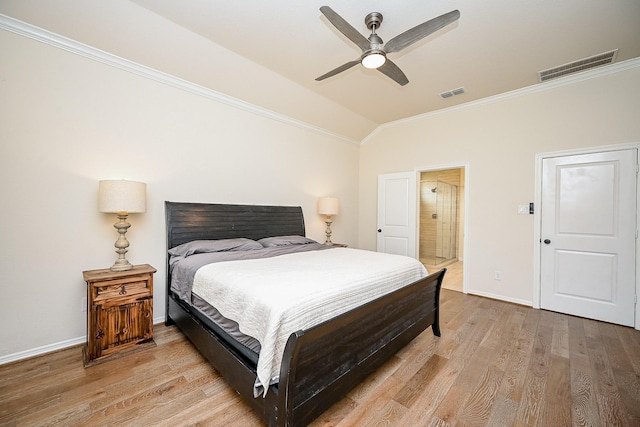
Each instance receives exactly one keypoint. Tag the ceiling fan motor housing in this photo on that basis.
(373, 20)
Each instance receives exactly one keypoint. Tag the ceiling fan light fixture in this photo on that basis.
(373, 59)
(374, 50)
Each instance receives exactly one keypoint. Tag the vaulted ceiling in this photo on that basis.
(268, 53)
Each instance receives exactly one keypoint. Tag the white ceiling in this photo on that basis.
(255, 49)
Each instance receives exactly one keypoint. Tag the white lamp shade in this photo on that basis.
(122, 196)
(328, 206)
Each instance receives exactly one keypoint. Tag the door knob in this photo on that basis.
(547, 241)
(379, 230)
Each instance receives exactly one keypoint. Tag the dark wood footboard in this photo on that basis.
(322, 364)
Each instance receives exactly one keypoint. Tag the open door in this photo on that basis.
(397, 202)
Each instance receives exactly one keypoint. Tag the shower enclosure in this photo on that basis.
(438, 222)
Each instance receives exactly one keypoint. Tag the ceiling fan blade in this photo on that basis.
(338, 70)
(391, 70)
(421, 31)
(345, 28)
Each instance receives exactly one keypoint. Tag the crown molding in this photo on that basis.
(61, 42)
(540, 87)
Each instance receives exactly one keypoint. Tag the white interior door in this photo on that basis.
(588, 233)
(397, 201)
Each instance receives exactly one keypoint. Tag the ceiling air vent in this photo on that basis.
(450, 93)
(578, 66)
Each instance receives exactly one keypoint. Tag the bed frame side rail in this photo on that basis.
(240, 375)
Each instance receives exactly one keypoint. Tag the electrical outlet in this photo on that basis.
(497, 275)
(83, 304)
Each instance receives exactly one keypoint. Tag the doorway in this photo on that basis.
(441, 225)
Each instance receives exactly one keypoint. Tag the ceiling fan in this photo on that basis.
(374, 50)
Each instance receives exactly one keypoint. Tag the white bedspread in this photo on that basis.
(272, 298)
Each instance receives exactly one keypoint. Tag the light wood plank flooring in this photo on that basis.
(496, 364)
(453, 277)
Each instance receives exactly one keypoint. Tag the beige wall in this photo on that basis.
(498, 141)
(67, 122)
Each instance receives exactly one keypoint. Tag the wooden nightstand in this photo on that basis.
(119, 312)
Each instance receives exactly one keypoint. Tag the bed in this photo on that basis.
(318, 364)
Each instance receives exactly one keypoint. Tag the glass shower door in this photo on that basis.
(446, 207)
(438, 222)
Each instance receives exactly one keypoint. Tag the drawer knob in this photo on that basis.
(123, 290)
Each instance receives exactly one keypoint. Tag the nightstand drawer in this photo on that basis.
(121, 289)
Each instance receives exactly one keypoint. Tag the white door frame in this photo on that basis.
(465, 219)
(537, 218)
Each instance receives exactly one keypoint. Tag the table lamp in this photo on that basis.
(122, 198)
(328, 206)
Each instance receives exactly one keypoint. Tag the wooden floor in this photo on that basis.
(496, 364)
(453, 276)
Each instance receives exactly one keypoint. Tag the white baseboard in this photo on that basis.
(39, 351)
(500, 297)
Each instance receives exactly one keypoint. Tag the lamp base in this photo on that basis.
(122, 243)
(327, 232)
(121, 265)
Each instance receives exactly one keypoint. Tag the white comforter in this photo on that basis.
(273, 297)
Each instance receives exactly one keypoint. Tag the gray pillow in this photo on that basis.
(206, 246)
(270, 242)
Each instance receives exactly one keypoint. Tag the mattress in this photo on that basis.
(271, 298)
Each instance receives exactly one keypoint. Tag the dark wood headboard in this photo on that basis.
(204, 221)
